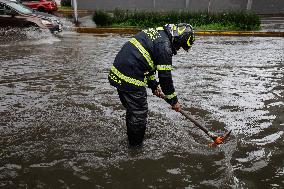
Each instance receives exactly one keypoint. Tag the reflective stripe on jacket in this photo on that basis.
(138, 60)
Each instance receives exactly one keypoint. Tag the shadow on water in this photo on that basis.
(62, 125)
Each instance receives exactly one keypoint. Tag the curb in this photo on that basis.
(199, 33)
(107, 30)
(240, 33)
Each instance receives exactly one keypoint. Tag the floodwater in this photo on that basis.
(62, 124)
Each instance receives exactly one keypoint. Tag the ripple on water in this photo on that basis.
(63, 122)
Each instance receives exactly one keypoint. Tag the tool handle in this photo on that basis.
(197, 123)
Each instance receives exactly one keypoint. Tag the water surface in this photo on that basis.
(62, 124)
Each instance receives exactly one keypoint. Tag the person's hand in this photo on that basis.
(176, 107)
(158, 92)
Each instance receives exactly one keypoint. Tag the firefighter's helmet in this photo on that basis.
(183, 35)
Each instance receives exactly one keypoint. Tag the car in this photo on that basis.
(14, 14)
(48, 6)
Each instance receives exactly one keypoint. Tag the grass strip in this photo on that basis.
(241, 20)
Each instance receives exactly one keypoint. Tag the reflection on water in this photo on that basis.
(62, 125)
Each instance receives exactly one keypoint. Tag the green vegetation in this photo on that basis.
(199, 20)
(66, 3)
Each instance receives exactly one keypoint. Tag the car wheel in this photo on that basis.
(31, 24)
(41, 9)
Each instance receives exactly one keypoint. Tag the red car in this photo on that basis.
(41, 5)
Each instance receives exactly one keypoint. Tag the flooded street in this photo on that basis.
(62, 124)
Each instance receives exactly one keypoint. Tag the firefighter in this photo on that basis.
(135, 67)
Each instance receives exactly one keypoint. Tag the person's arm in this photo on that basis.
(151, 80)
(164, 67)
(154, 85)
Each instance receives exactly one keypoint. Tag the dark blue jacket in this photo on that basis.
(138, 60)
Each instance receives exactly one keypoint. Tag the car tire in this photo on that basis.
(30, 24)
(41, 9)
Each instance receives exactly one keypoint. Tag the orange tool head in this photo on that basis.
(220, 139)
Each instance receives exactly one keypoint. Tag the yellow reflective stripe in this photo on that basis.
(188, 41)
(181, 30)
(127, 79)
(164, 67)
(171, 96)
(151, 77)
(159, 28)
(114, 78)
(143, 51)
(145, 80)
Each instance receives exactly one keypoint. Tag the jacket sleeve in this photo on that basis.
(151, 80)
(164, 67)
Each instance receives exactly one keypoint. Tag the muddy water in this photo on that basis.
(62, 125)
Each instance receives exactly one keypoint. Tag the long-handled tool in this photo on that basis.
(217, 139)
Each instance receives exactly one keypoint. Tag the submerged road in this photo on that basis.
(62, 125)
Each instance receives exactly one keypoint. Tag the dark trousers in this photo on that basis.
(136, 115)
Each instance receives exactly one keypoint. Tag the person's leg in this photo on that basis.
(136, 115)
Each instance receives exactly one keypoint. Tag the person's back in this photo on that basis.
(136, 62)
(135, 67)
